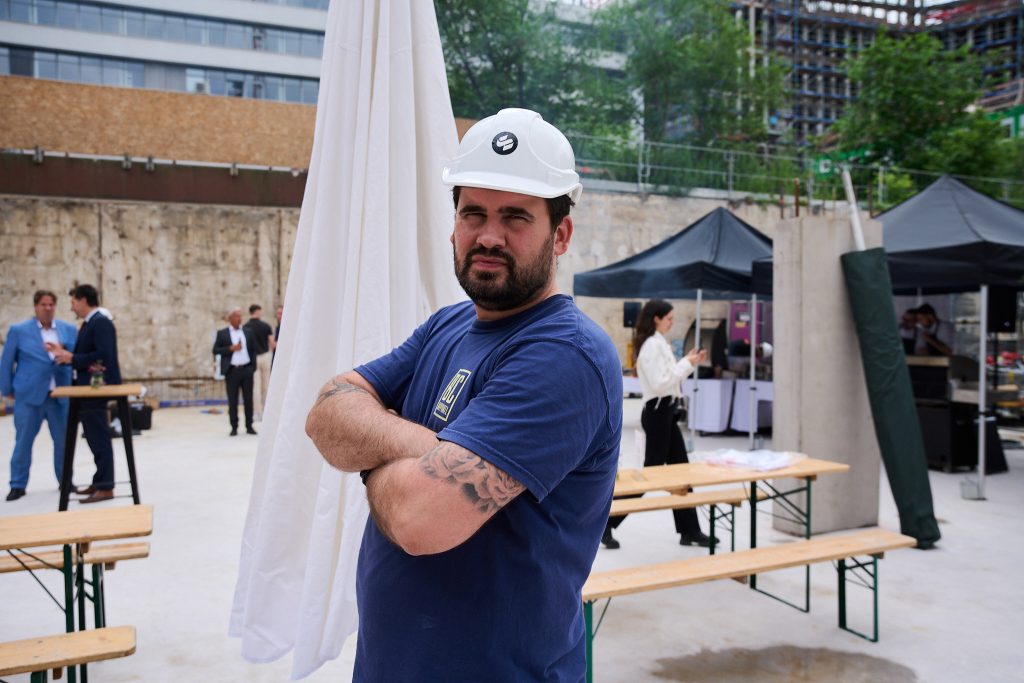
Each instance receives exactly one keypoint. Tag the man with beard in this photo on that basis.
(490, 482)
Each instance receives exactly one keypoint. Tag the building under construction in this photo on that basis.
(813, 38)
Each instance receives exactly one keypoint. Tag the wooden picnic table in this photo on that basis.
(78, 393)
(679, 478)
(75, 530)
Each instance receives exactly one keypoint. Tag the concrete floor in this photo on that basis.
(955, 613)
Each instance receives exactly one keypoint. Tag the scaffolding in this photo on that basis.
(813, 38)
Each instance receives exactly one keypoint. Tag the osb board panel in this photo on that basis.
(91, 119)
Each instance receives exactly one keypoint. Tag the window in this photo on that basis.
(174, 28)
(111, 20)
(113, 72)
(292, 90)
(194, 29)
(135, 74)
(154, 25)
(216, 33)
(5, 55)
(67, 67)
(5, 11)
(89, 18)
(274, 40)
(239, 36)
(312, 45)
(20, 10)
(91, 71)
(67, 14)
(292, 43)
(46, 12)
(234, 85)
(272, 89)
(309, 92)
(45, 64)
(134, 23)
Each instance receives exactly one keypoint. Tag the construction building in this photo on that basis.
(814, 37)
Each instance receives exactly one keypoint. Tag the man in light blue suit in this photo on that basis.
(28, 373)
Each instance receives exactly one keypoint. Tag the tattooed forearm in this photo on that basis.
(486, 486)
(335, 387)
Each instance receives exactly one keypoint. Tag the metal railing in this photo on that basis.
(665, 168)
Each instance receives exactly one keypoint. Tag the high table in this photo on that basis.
(709, 412)
(679, 478)
(763, 393)
(76, 529)
(76, 394)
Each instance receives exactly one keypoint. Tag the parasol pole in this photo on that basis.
(974, 489)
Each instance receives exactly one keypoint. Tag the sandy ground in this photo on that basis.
(955, 613)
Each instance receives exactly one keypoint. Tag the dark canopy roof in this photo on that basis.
(950, 238)
(713, 254)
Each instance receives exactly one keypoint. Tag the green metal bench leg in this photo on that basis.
(588, 619)
(871, 582)
(98, 599)
(714, 536)
(39, 677)
(69, 606)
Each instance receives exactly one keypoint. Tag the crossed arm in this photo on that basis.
(427, 496)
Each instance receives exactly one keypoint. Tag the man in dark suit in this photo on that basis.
(95, 354)
(236, 347)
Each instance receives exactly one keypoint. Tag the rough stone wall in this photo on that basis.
(166, 271)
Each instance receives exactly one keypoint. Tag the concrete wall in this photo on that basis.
(166, 271)
(821, 403)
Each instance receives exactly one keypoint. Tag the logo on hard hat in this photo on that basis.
(505, 143)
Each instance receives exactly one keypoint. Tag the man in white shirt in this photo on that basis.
(935, 337)
(236, 348)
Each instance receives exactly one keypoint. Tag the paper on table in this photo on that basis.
(762, 460)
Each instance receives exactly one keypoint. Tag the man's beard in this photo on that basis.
(521, 283)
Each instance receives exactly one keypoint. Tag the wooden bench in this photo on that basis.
(733, 497)
(101, 557)
(106, 555)
(747, 563)
(40, 655)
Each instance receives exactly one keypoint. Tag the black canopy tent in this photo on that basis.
(710, 258)
(952, 238)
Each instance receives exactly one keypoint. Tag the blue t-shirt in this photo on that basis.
(538, 395)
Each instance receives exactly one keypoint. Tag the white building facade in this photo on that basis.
(261, 49)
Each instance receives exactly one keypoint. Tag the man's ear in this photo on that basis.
(563, 235)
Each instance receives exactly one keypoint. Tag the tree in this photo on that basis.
(518, 53)
(912, 107)
(691, 64)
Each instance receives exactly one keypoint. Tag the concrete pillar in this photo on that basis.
(821, 403)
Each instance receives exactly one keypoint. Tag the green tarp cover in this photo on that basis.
(889, 391)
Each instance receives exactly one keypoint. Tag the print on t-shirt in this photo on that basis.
(450, 395)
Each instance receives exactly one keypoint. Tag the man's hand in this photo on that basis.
(353, 430)
(61, 355)
(236, 347)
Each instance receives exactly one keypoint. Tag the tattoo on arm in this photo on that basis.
(486, 486)
(337, 387)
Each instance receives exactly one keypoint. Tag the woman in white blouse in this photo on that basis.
(661, 377)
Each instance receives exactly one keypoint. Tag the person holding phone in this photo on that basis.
(661, 376)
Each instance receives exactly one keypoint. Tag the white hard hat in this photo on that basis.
(515, 151)
(767, 350)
